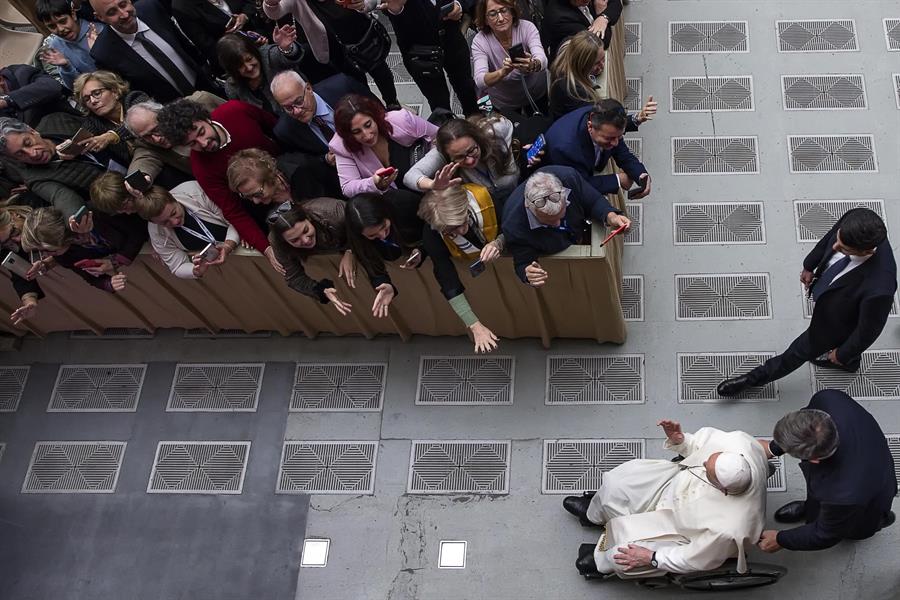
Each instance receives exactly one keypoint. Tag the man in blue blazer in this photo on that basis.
(588, 137)
(849, 471)
(852, 276)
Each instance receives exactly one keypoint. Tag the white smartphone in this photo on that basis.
(16, 264)
(210, 253)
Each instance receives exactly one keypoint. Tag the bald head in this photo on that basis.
(295, 95)
(118, 14)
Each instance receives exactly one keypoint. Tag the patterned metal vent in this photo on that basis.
(415, 108)
(338, 387)
(12, 384)
(575, 466)
(817, 36)
(633, 297)
(459, 467)
(892, 33)
(401, 75)
(777, 481)
(702, 94)
(893, 441)
(74, 468)
(327, 468)
(823, 92)
(632, 38)
(897, 89)
(113, 333)
(225, 333)
(633, 95)
(465, 380)
(832, 154)
(708, 36)
(614, 379)
(722, 297)
(714, 155)
(635, 234)
(189, 467)
(97, 388)
(719, 223)
(635, 144)
(216, 387)
(878, 377)
(815, 218)
(700, 373)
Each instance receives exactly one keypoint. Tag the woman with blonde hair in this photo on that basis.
(105, 97)
(12, 221)
(253, 175)
(461, 222)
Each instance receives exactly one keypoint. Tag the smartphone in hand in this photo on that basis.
(88, 263)
(16, 264)
(209, 253)
(516, 52)
(385, 172)
(413, 258)
(81, 214)
(477, 268)
(446, 9)
(536, 147)
(641, 184)
(138, 181)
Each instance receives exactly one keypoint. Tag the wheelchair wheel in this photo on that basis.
(727, 577)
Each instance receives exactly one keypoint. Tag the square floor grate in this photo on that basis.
(633, 297)
(459, 467)
(897, 89)
(715, 297)
(338, 387)
(327, 468)
(465, 380)
(718, 223)
(216, 387)
(700, 372)
(614, 379)
(633, 94)
(401, 75)
(691, 37)
(575, 466)
(714, 155)
(777, 481)
(892, 34)
(190, 467)
(817, 36)
(703, 94)
(823, 92)
(815, 218)
(97, 388)
(635, 234)
(832, 153)
(12, 384)
(878, 377)
(635, 144)
(74, 468)
(632, 38)
(893, 441)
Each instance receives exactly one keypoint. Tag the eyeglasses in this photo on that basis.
(554, 197)
(94, 95)
(493, 14)
(257, 195)
(279, 213)
(300, 104)
(470, 153)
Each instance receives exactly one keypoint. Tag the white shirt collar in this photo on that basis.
(128, 38)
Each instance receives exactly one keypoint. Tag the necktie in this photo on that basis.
(323, 126)
(184, 86)
(828, 276)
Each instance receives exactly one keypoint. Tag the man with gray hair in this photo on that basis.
(849, 471)
(550, 211)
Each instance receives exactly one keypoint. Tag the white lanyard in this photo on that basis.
(206, 238)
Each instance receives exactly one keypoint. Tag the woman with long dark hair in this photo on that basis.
(250, 68)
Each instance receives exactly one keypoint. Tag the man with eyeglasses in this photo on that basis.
(849, 472)
(588, 137)
(676, 517)
(552, 210)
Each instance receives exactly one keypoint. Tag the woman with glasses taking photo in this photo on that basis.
(105, 97)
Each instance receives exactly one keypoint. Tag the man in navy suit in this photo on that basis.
(849, 471)
(852, 276)
(588, 137)
(144, 46)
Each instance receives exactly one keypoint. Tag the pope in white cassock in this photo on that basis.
(685, 517)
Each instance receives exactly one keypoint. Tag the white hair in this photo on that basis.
(9, 125)
(287, 75)
(147, 106)
(538, 186)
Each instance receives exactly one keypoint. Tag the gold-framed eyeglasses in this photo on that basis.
(493, 14)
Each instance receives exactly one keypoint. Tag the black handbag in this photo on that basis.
(371, 50)
(425, 60)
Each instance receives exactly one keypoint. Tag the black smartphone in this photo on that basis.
(138, 181)
(477, 268)
(81, 214)
(516, 52)
(446, 9)
(640, 184)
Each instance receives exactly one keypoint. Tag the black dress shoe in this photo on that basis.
(578, 506)
(888, 519)
(735, 385)
(792, 512)
(585, 564)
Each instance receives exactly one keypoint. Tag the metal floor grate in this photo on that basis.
(718, 223)
(893, 441)
(703, 94)
(459, 467)
(878, 377)
(635, 234)
(714, 155)
(113, 333)
(216, 387)
(575, 466)
(633, 297)
(74, 468)
(225, 333)
(814, 218)
(190, 467)
(633, 94)
(699, 374)
(465, 380)
(338, 387)
(777, 482)
(632, 38)
(832, 153)
(817, 36)
(97, 388)
(897, 89)
(691, 37)
(712, 297)
(635, 144)
(892, 34)
(401, 75)
(327, 468)
(823, 92)
(613, 379)
(12, 384)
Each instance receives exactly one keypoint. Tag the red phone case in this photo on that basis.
(87, 263)
(385, 172)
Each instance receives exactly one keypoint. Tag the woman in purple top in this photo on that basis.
(518, 85)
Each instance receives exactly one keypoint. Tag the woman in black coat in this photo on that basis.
(565, 18)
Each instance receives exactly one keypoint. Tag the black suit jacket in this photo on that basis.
(851, 491)
(851, 313)
(562, 21)
(34, 94)
(111, 52)
(204, 23)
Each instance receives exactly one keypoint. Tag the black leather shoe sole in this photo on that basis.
(792, 512)
(733, 386)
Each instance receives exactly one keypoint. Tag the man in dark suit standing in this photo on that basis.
(565, 18)
(852, 276)
(145, 47)
(588, 137)
(849, 471)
